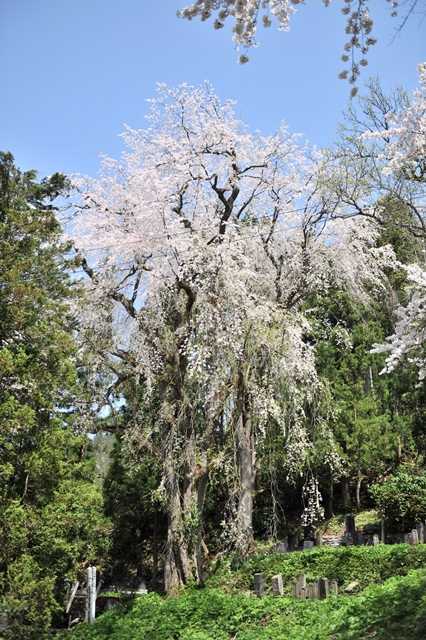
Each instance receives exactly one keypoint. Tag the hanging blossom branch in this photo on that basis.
(247, 14)
(409, 338)
(406, 160)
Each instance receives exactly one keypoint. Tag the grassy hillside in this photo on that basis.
(391, 610)
(366, 565)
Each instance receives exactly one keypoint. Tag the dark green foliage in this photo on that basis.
(138, 522)
(393, 611)
(390, 611)
(51, 520)
(29, 601)
(375, 417)
(401, 498)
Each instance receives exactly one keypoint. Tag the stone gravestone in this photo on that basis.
(350, 529)
(333, 587)
(312, 591)
(277, 585)
(421, 532)
(281, 547)
(300, 587)
(359, 538)
(141, 589)
(259, 584)
(413, 538)
(308, 544)
(323, 588)
(376, 539)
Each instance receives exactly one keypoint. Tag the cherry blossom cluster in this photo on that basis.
(247, 14)
(313, 510)
(409, 338)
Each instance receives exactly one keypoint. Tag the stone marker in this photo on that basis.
(413, 538)
(333, 587)
(312, 591)
(142, 590)
(259, 584)
(277, 585)
(376, 539)
(300, 587)
(350, 527)
(420, 532)
(281, 547)
(359, 537)
(308, 544)
(323, 588)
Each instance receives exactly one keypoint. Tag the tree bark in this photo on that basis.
(247, 477)
(177, 567)
(199, 542)
(347, 503)
(194, 498)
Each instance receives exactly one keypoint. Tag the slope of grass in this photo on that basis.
(366, 565)
(392, 611)
(336, 524)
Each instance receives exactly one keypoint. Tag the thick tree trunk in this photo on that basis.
(184, 549)
(247, 477)
(177, 566)
(155, 549)
(199, 543)
(193, 500)
(347, 503)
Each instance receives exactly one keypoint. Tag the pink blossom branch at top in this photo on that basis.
(247, 14)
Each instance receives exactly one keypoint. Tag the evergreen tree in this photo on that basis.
(50, 512)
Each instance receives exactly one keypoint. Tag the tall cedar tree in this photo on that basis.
(45, 497)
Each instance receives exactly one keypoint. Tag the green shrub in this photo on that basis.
(401, 499)
(29, 602)
(391, 611)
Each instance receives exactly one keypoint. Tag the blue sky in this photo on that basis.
(73, 71)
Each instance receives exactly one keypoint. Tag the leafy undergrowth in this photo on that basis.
(366, 565)
(392, 611)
